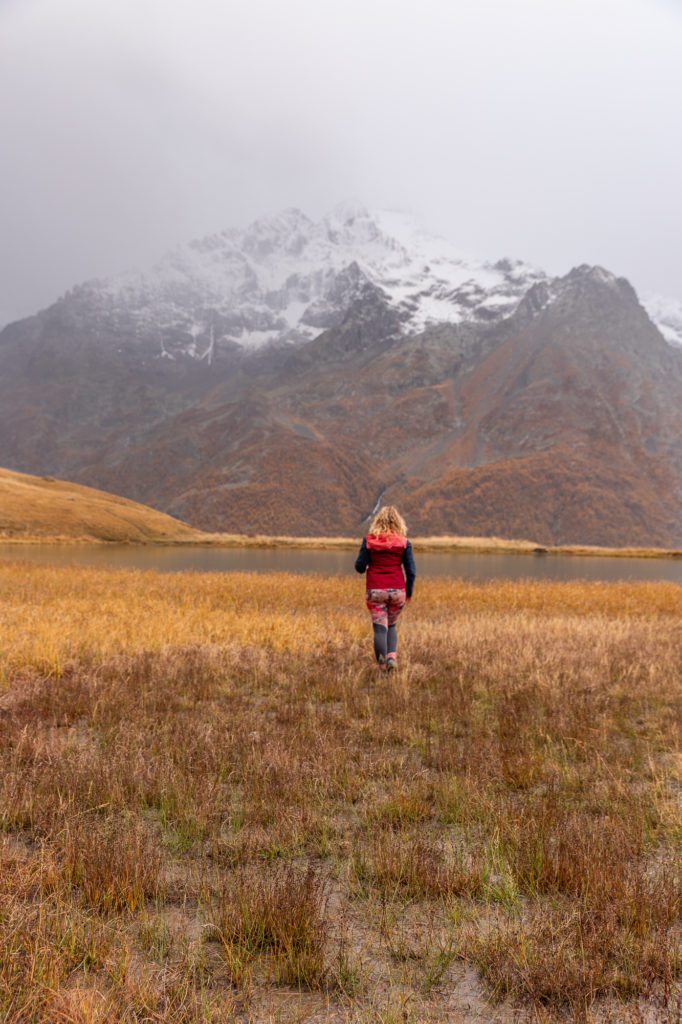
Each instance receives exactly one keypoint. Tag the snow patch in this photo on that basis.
(666, 313)
(603, 276)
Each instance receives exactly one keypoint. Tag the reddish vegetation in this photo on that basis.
(544, 497)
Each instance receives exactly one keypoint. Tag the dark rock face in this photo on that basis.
(561, 423)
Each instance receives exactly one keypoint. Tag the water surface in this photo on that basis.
(462, 565)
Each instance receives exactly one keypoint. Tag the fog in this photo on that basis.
(544, 131)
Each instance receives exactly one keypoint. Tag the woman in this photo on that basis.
(385, 552)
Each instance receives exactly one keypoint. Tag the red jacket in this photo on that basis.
(384, 556)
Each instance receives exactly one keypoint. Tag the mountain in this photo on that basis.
(286, 378)
(286, 278)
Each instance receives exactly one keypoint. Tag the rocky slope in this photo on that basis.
(288, 387)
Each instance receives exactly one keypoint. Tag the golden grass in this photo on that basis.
(213, 808)
(442, 544)
(43, 509)
(51, 615)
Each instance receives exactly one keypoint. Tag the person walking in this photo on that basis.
(386, 556)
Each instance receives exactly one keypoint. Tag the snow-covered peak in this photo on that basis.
(350, 223)
(286, 277)
(599, 275)
(286, 233)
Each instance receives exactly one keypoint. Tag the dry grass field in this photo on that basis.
(41, 508)
(214, 808)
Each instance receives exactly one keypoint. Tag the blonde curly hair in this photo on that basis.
(388, 520)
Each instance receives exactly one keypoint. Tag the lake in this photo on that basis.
(465, 565)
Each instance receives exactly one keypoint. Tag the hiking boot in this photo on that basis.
(391, 663)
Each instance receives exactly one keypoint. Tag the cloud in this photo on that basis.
(543, 130)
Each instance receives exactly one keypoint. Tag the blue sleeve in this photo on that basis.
(362, 561)
(410, 570)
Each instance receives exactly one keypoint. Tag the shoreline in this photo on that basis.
(421, 545)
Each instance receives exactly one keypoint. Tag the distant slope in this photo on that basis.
(42, 508)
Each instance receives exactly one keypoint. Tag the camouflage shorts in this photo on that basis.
(385, 606)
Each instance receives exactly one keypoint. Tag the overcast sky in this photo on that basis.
(543, 129)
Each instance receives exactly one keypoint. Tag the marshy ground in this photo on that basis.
(213, 808)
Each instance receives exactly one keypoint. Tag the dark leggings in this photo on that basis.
(385, 641)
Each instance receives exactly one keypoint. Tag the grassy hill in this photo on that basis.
(42, 508)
